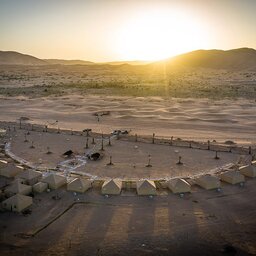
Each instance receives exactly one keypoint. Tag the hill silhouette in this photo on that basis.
(16, 58)
(236, 59)
(243, 58)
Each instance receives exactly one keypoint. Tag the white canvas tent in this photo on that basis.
(232, 177)
(17, 203)
(55, 181)
(79, 185)
(178, 186)
(111, 187)
(18, 188)
(208, 182)
(146, 187)
(40, 187)
(10, 170)
(248, 170)
(30, 176)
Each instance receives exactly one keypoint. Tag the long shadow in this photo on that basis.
(230, 222)
(93, 234)
(183, 230)
(141, 227)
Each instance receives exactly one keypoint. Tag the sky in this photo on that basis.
(112, 30)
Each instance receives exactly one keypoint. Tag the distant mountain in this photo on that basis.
(68, 62)
(237, 59)
(16, 58)
(135, 62)
(243, 58)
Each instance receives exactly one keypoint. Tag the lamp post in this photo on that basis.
(149, 161)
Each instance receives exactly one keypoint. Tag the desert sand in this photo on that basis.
(129, 157)
(197, 119)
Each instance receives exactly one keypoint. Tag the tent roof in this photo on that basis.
(79, 182)
(232, 174)
(54, 178)
(30, 174)
(39, 184)
(17, 187)
(18, 199)
(178, 181)
(112, 182)
(207, 178)
(146, 183)
(11, 168)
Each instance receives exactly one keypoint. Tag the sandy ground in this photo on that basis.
(202, 223)
(198, 119)
(129, 158)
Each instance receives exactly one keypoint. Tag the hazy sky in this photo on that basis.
(105, 30)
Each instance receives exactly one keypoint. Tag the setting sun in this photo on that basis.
(159, 34)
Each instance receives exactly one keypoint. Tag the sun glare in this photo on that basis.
(159, 34)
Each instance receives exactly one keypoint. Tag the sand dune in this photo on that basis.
(193, 119)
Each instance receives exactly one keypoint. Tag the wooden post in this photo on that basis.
(171, 140)
(149, 161)
(136, 137)
(102, 145)
(86, 145)
(110, 161)
(208, 145)
(216, 155)
(93, 142)
(179, 162)
(109, 141)
(153, 138)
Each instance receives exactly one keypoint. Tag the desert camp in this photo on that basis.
(127, 128)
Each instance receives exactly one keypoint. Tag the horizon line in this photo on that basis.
(136, 60)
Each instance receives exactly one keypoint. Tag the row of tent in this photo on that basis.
(32, 181)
